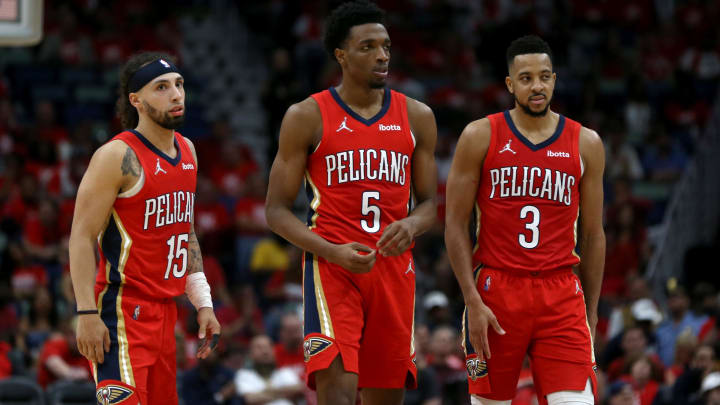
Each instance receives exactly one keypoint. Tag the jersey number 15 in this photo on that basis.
(178, 252)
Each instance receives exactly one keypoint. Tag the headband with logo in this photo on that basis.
(150, 71)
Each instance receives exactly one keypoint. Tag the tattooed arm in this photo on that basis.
(112, 169)
(207, 323)
(195, 257)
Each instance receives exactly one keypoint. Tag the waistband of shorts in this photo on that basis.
(136, 294)
(535, 273)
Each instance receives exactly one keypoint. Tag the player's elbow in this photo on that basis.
(273, 214)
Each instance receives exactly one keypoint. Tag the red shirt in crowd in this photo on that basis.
(58, 346)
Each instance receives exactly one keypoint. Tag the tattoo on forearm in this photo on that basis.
(196, 263)
(130, 163)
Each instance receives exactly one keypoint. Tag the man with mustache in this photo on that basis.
(530, 174)
(135, 203)
(365, 153)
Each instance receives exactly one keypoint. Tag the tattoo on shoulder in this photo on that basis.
(130, 163)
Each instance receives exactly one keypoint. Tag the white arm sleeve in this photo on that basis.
(198, 290)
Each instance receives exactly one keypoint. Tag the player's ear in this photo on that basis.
(134, 100)
(340, 56)
(509, 84)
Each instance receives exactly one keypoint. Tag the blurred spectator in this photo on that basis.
(230, 169)
(681, 320)
(262, 382)
(243, 320)
(250, 223)
(688, 384)
(280, 91)
(60, 358)
(5, 364)
(437, 309)
(212, 221)
(711, 389)
(289, 348)
(621, 393)
(428, 388)
(203, 384)
(40, 321)
(444, 357)
(664, 159)
(621, 158)
(634, 345)
(66, 43)
(645, 377)
(42, 234)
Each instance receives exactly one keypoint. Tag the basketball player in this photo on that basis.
(136, 203)
(366, 154)
(530, 171)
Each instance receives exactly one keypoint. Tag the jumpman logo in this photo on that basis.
(159, 168)
(410, 269)
(507, 148)
(343, 125)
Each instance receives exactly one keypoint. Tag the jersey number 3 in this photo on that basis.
(177, 252)
(532, 226)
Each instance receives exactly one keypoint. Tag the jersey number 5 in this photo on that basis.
(373, 210)
(532, 226)
(177, 253)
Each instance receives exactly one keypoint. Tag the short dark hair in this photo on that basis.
(346, 16)
(127, 114)
(525, 45)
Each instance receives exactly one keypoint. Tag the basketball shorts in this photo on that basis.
(367, 319)
(142, 347)
(543, 315)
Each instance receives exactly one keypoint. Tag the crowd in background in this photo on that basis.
(642, 73)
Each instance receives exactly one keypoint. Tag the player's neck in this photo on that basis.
(359, 96)
(161, 138)
(527, 123)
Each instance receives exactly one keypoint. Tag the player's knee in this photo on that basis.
(476, 400)
(584, 397)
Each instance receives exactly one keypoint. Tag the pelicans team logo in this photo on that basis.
(112, 394)
(314, 345)
(476, 368)
(136, 313)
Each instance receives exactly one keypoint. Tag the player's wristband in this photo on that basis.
(198, 290)
(87, 312)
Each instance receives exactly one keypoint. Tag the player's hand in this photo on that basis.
(396, 238)
(93, 337)
(208, 331)
(354, 257)
(479, 318)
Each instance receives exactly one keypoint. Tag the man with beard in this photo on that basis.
(136, 202)
(530, 174)
(366, 155)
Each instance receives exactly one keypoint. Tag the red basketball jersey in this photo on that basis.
(143, 248)
(528, 199)
(358, 178)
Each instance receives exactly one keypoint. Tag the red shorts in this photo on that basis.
(366, 318)
(142, 345)
(543, 315)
